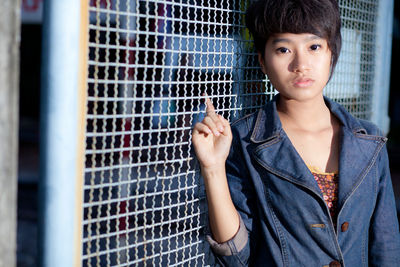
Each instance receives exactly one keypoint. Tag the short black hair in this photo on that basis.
(319, 17)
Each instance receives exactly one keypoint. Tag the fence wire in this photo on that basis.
(149, 63)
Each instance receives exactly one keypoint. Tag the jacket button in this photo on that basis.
(345, 226)
(334, 264)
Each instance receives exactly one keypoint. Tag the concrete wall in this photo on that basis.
(9, 93)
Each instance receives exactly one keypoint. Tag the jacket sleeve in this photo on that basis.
(236, 252)
(384, 241)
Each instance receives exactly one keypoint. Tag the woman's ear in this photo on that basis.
(262, 64)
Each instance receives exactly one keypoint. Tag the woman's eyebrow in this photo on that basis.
(280, 40)
(306, 39)
(311, 38)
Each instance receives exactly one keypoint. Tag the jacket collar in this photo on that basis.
(268, 115)
(275, 152)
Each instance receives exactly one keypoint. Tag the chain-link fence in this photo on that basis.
(149, 63)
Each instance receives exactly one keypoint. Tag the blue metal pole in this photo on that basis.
(383, 54)
(59, 132)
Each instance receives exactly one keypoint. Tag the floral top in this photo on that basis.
(328, 183)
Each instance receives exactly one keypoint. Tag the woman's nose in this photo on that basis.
(300, 63)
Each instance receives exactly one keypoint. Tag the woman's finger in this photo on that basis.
(215, 126)
(201, 128)
(210, 110)
(226, 125)
(224, 121)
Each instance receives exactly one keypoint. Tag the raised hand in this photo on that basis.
(212, 139)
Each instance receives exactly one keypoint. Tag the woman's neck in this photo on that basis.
(312, 115)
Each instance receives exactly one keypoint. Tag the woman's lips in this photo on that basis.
(303, 82)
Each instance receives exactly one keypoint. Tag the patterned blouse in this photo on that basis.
(328, 183)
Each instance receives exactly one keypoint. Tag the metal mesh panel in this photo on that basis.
(353, 79)
(149, 62)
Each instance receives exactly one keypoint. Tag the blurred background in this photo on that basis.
(29, 131)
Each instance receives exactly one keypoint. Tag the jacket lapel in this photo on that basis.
(357, 154)
(281, 158)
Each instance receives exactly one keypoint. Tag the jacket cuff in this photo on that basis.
(232, 246)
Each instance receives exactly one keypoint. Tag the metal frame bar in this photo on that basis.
(380, 96)
(62, 108)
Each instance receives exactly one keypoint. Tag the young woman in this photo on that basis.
(301, 182)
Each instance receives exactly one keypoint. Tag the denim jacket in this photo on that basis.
(284, 220)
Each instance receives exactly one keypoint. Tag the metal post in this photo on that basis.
(9, 93)
(382, 74)
(62, 119)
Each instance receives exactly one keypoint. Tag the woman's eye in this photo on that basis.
(283, 50)
(315, 47)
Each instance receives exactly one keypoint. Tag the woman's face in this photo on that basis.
(298, 65)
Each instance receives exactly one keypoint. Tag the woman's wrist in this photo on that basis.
(215, 181)
(213, 172)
